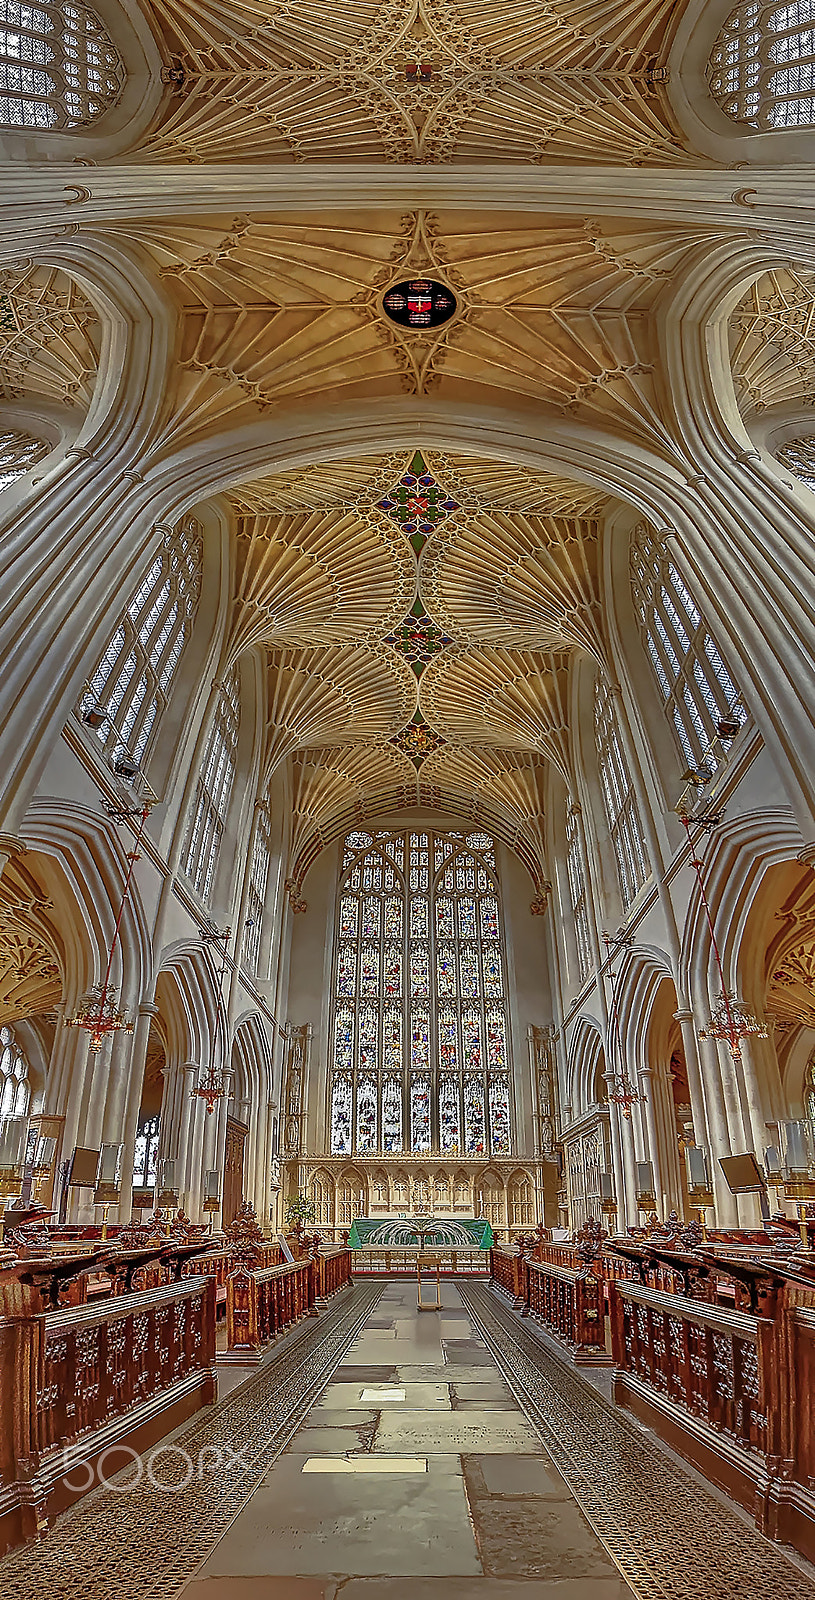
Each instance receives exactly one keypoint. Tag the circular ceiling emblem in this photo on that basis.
(419, 303)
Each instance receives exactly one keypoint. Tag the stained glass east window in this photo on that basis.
(419, 1045)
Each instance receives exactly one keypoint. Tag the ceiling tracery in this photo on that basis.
(333, 575)
(412, 703)
(334, 696)
(49, 336)
(422, 81)
(30, 970)
(552, 313)
(772, 341)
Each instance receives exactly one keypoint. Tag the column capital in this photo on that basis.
(805, 856)
(683, 1016)
(148, 1008)
(10, 845)
(190, 1066)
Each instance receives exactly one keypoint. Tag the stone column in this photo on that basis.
(141, 1035)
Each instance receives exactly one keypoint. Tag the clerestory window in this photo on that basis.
(59, 67)
(256, 898)
(799, 456)
(18, 452)
(697, 690)
(129, 689)
(213, 790)
(762, 66)
(577, 892)
(420, 1036)
(619, 800)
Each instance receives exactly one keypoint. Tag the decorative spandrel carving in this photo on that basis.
(772, 343)
(790, 959)
(425, 82)
(30, 955)
(49, 336)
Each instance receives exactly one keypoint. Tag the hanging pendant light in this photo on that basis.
(99, 1012)
(621, 1092)
(211, 1089)
(730, 1019)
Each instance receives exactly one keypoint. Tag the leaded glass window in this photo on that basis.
(145, 1158)
(59, 67)
(256, 898)
(799, 456)
(420, 1038)
(577, 892)
(15, 1090)
(694, 683)
(213, 790)
(619, 800)
(18, 452)
(128, 691)
(762, 66)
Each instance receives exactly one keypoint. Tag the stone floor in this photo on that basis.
(414, 1477)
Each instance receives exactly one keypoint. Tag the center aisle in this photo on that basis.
(415, 1477)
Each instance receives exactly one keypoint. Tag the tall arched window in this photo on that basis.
(145, 1157)
(762, 66)
(18, 452)
(420, 1038)
(696, 687)
(129, 689)
(622, 812)
(59, 67)
(213, 789)
(15, 1089)
(258, 879)
(799, 456)
(577, 891)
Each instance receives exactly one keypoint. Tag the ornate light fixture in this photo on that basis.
(211, 1088)
(730, 1019)
(99, 1012)
(621, 1092)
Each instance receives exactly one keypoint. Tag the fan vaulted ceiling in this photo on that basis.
(418, 614)
(423, 81)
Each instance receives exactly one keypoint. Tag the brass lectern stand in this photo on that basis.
(429, 1264)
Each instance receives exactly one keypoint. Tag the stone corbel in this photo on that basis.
(540, 904)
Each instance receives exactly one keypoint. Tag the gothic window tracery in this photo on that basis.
(696, 687)
(18, 452)
(59, 67)
(619, 800)
(420, 1040)
(577, 892)
(15, 1089)
(762, 66)
(129, 689)
(799, 456)
(213, 789)
(258, 879)
(145, 1158)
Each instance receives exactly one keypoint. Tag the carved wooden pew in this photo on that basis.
(332, 1264)
(261, 1302)
(87, 1386)
(571, 1305)
(731, 1388)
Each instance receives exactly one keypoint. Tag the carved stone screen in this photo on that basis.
(419, 1049)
